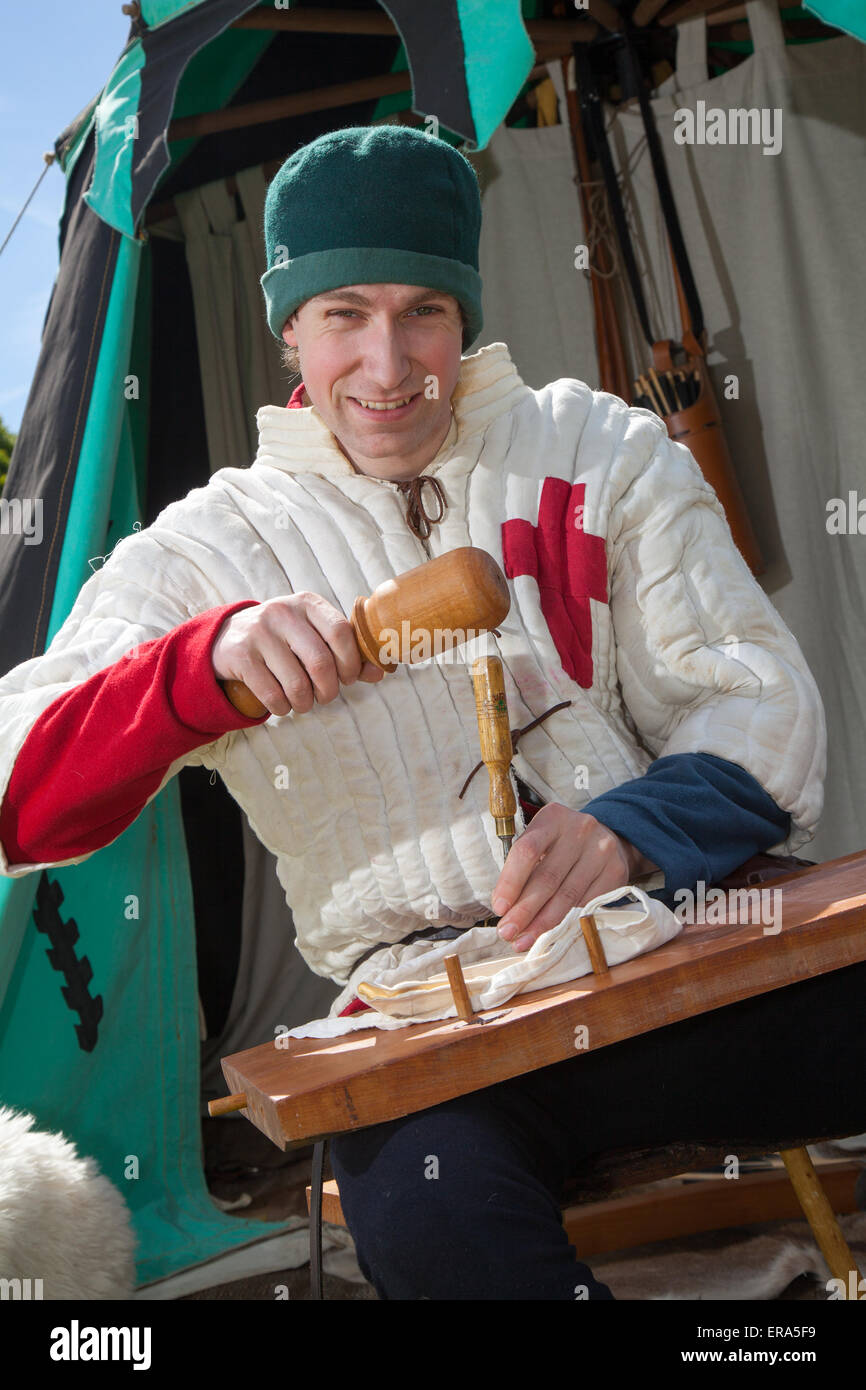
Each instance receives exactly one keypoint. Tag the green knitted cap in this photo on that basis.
(373, 205)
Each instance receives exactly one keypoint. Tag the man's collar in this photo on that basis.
(299, 441)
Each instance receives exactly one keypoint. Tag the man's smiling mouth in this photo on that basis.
(384, 407)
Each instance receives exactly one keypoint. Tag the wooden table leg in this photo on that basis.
(804, 1180)
(819, 1214)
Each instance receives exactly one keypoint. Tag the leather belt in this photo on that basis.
(446, 933)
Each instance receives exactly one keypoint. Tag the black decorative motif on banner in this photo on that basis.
(77, 972)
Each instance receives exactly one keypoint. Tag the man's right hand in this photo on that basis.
(291, 652)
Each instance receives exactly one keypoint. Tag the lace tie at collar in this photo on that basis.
(418, 519)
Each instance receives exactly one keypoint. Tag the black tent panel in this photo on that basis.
(167, 50)
(45, 458)
(292, 62)
(437, 61)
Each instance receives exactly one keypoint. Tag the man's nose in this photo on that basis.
(386, 358)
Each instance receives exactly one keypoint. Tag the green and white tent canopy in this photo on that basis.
(99, 1014)
(184, 59)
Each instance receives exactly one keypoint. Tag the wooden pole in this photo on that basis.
(307, 21)
(794, 28)
(293, 104)
(606, 14)
(722, 12)
(459, 992)
(688, 9)
(727, 13)
(611, 357)
(160, 212)
(333, 97)
(647, 10)
(581, 165)
(820, 1215)
(374, 23)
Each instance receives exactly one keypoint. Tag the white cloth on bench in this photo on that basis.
(406, 984)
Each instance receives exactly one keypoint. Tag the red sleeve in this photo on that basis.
(95, 755)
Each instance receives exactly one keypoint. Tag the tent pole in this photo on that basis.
(689, 9)
(721, 11)
(160, 212)
(293, 104)
(647, 10)
(317, 99)
(375, 23)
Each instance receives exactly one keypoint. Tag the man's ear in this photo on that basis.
(290, 338)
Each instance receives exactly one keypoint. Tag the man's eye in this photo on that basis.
(424, 309)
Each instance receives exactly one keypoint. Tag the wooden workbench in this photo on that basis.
(309, 1088)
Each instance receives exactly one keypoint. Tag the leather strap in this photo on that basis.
(762, 868)
(418, 520)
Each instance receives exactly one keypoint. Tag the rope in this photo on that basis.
(600, 228)
(49, 158)
(602, 233)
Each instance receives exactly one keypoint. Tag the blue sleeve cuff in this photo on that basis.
(696, 816)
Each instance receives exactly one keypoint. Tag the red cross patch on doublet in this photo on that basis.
(569, 566)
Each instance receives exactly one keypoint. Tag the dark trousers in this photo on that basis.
(462, 1201)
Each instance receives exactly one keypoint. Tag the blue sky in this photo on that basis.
(56, 57)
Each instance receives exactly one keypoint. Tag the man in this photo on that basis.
(626, 588)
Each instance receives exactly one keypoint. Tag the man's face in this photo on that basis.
(363, 346)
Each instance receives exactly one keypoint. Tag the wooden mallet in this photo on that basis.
(429, 609)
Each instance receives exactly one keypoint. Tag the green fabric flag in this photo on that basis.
(100, 1039)
(848, 15)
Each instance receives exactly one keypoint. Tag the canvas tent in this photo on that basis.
(108, 1025)
(155, 357)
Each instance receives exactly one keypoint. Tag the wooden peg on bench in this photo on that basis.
(459, 992)
(593, 945)
(226, 1104)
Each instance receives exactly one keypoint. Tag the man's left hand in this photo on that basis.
(562, 860)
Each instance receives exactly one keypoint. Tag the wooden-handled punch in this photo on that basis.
(496, 748)
(427, 610)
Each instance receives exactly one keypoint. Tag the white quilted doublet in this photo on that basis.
(628, 598)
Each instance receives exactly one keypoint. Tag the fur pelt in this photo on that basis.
(61, 1221)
